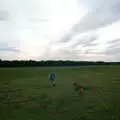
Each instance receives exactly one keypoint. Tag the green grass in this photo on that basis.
(25, 94)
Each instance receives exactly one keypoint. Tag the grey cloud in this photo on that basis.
(4, 46)
(101, 14)
(39, 19)
(100, 5)
(10, 49)
(113, 51)
(89, 41)
(92, 51)
(4, 15)
(70, 54)
(66, 37)
(114, 43)
(113, 47)
(67, 54)
(116, 7)
(86, 41)
(94, 21)
(90, 45)
(87, 46)
(88, 51)
(62, 54)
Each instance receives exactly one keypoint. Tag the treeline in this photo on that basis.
(31, 63)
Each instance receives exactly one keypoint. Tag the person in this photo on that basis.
(52, 79)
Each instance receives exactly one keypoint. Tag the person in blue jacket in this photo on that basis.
(52, 79)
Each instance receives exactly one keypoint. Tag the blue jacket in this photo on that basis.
(52, 76)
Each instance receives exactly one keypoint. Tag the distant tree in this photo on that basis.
(32, 63)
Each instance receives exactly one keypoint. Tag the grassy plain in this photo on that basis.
(25, 93)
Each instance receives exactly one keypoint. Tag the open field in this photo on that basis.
(25, 94)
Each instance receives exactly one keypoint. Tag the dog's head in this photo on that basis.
(75, 83)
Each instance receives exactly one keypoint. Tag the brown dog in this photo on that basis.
(79, 88)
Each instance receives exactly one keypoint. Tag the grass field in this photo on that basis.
(25, 94)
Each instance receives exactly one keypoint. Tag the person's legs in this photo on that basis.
(51, 83)
(54, 83)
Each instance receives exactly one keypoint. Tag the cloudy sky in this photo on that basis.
(60, 29)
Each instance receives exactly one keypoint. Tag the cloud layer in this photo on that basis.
(100, 14)
(81, 30)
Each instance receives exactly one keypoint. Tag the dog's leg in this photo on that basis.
(81, 91)
(76, 89)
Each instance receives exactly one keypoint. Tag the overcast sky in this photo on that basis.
(60, 29)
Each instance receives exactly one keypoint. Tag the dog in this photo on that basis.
(79, 88)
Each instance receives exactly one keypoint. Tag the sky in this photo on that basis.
(60, 30)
